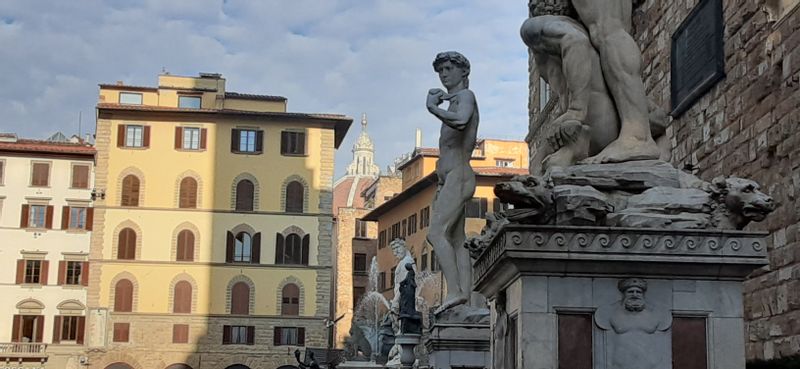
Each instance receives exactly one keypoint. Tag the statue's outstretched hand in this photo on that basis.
(435, 97)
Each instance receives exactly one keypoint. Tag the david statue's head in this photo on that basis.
(633, 290)
(399, 248)
(453, 68)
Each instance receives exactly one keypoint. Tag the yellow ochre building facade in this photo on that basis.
(212, 232)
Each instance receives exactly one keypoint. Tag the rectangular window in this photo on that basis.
(33, 272)
(134, 136)
(689, 346)
(69, 328)
(74, 269)
(358, 292)
(359, 263)
(404, 227)
(392, 281)
(498, 206)
(130, 98)
(77, 218)
(434, 262)
(27, 328)
(361, 229)
(190, 102)
(191, 138)
(291, 336)
(121, 332)
(293, 143)
(412, 223)
(180, 333)
(80, 176)
(476, 208)
(575, 341)
(504, 163)
(2, 171)
(424, 265)
(37, 216)
(247, 141)
(239, 335)
(382, 239)
(40, 174)
(425, 217)
(382, 281)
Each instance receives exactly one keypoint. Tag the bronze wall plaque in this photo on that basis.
(698, 57)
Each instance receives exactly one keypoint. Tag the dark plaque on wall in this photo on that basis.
(698, 57)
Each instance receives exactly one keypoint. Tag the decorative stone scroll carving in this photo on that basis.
(637, 332)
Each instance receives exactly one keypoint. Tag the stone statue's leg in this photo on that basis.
(620, 59)
(462, 257)
(448, 213)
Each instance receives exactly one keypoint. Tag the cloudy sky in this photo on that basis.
(336, 56)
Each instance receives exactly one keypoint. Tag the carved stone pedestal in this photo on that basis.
(621, 298)
(458, 345)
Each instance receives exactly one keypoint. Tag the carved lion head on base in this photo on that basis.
(740, 201)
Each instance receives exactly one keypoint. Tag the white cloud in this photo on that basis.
(339, 56)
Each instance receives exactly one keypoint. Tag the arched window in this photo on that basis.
(182, 299)
(292, 249)
(290, 300)
(244, 195)
(130, 191)
(126, 246)
(188, 193)
(123, 296)
(185, 249)
(240, 299)
(242, 247)
(294, 197)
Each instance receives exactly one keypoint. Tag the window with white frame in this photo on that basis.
(134, 136)
(247, 140)
(77, 217)
(191, 138)
(37, 216)
(130, 98)
(504, 163)
(190, 102)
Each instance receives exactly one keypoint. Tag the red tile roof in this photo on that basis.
(47, 147)
(113, 106)
(500, 171)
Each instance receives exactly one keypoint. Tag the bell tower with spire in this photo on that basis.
(363, 163)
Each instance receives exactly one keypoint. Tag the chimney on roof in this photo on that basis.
(120, 83)
(418, 140)
(211, 75)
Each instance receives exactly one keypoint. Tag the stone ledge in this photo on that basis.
(604, 251)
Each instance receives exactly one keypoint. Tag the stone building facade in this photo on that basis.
(746, 125)
(212, 246)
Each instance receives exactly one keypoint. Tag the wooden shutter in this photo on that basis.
(251, 335)
(284, 142)
(123, 296)
(48, 220)
(57, 329)
(294, 197)
(306, 241)
(226, 334)
(64, 217)
(80, 176)
(121, 332)
(81, 329)
(259, 141)
(279, 249)
(245, 195)
(575, 341)
(85, 273)
(301, 143)
(484, 207)
(182, 299)
(89, 219)
(146, 137)
(43, 272)
(62, 272)
(130, 191)
(276, 336)
(178, 137)
(187, 197)
(20, 271)
(235, 140)
(126, 245)
(203, 138)
(39, 329)
(121, 135)
(256, 258)
(229, 247)
(15, 328)
(180, 333)
(301, 336)
(240, 299)
(23, 220)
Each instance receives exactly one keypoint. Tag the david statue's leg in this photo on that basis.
(620, 59)
(448, 217)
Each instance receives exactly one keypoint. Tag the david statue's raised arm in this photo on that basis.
(463, 103)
